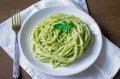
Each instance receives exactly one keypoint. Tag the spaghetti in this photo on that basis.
(54, 46)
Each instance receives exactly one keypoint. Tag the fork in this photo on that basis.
(16, 25)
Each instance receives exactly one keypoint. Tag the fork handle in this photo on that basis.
(16, 70)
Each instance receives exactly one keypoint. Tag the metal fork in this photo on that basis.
(16, 25)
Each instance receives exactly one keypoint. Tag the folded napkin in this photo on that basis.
(105, 67)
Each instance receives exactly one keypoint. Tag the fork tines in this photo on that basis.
(16, 20)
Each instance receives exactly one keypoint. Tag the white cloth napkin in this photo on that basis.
(105, 67)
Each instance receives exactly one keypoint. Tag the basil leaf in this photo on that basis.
(70, 25)
(64, 23)
(64, 26)
(66, 30)
(58, 26)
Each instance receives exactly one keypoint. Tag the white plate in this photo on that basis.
(81, 63)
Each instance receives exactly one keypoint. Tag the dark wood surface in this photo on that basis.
(105, 12)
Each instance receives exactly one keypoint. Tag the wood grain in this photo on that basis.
(105, 12)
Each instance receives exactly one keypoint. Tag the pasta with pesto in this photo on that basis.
(56, 47)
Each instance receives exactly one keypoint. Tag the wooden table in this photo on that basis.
(105, 12)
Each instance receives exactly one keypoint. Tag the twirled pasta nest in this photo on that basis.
(54, 46)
